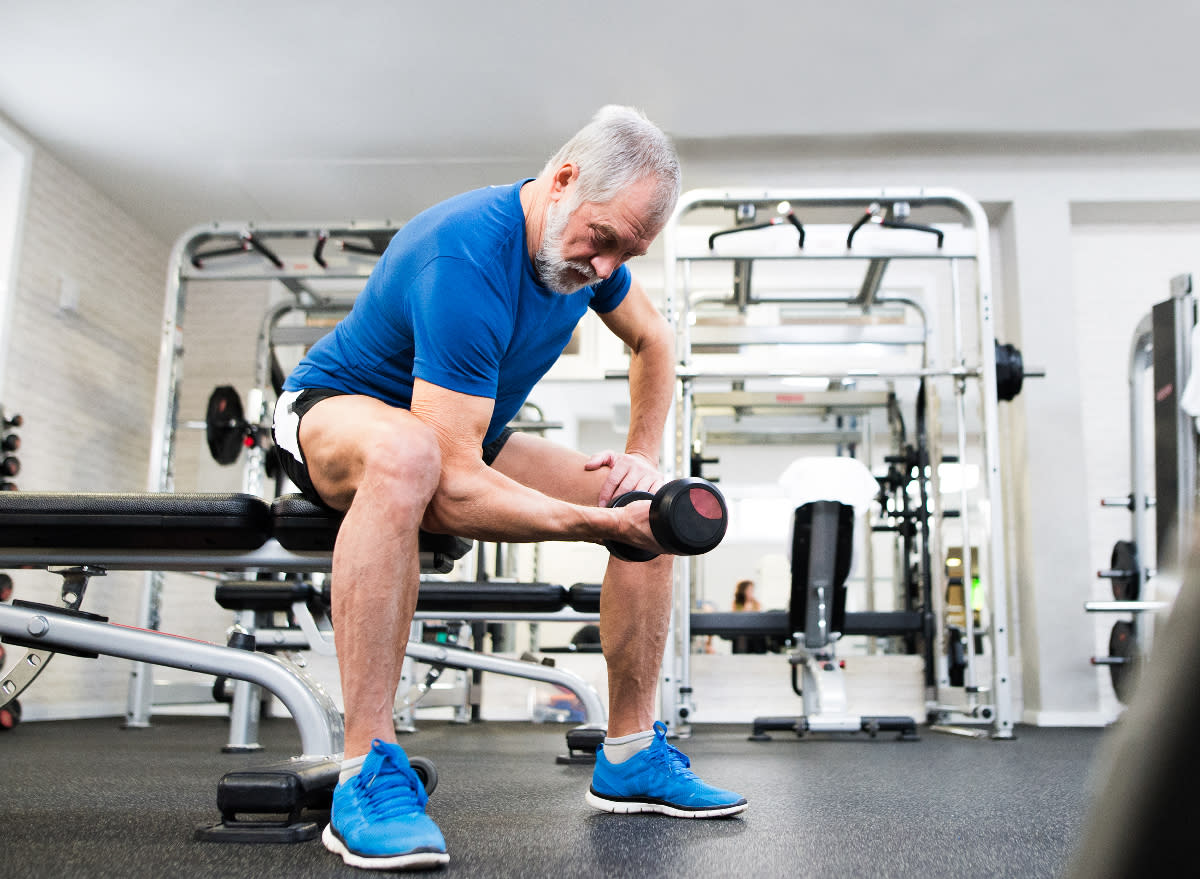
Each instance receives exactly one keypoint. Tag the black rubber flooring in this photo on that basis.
(90, 799)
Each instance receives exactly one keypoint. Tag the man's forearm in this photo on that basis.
(477, 502)
(651, 394)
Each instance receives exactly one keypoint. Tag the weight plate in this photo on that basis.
(1010, 371)
(10, 716)
(426, 771)
(225, 425)
(1122, 644)
(1124, 558)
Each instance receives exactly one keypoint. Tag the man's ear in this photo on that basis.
(563, 177)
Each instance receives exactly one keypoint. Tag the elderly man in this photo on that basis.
(399, 418)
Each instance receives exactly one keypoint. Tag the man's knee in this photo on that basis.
(407, 462)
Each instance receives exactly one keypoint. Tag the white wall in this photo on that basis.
(1065, 287)
(83, 380)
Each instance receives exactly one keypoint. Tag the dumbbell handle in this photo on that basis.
(680, 524)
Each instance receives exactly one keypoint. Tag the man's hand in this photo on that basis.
(628, 471)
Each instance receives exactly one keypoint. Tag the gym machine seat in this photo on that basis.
(822, 545)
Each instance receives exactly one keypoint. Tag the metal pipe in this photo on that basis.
(1140, 361)
(440, 655)
(960, 390)
(1124, 606)
(320, 724)
(161, 475)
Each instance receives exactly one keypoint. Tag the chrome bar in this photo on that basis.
(320, 724)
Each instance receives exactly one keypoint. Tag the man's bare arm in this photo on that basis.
(475, 501)
(651, 392)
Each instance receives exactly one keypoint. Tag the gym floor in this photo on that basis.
(89, 799)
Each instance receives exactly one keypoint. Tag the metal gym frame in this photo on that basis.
(1161, 348)
(234, 252)
(303, 258)
(989, 703)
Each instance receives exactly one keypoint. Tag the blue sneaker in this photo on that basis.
(378, 819)
(658, 779)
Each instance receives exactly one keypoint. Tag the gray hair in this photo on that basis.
(618, 148)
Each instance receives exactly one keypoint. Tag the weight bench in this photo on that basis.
(80, 536)
(822, 545)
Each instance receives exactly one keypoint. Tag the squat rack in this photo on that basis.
(888, 208)
(300, 256)
(323, 266)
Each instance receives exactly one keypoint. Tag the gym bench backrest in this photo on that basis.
(822, 543)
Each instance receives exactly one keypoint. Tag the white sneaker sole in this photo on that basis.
(414, 861)
(633, 807)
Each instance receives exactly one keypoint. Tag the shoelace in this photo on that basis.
(391, 791)
(676, 762)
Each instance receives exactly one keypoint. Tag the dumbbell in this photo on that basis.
(687, 516)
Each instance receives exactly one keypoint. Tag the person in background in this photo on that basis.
(744, 600)
(743, 596)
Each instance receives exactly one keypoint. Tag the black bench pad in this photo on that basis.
(435, 596)
(133, 521)
(179, 521)
(302, 526)
(490, 597)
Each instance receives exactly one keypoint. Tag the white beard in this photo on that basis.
(560, 275)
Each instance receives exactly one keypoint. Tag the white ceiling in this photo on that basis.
(190, 112)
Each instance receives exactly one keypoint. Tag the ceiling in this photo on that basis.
(189, 112)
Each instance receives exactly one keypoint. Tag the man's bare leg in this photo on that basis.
(645, 773)
(635, 599)
(383, 464)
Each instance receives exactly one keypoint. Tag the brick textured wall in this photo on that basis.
(84, 381)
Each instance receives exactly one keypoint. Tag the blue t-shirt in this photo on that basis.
(454, 301)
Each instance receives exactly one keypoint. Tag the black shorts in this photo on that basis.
(297, 471)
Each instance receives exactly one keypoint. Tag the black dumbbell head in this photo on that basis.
(689, 516)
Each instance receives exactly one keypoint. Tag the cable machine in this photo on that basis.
(811, 225)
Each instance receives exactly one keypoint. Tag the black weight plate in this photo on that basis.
(1010, 371)
(689, 516)
(225, 425)
(624, 551)
(1122, 644)
(10, 715)
(426, 771)
(1124, 558)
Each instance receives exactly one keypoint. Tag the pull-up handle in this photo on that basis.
(249, 241)
(375, 248)
(883, 216)
(319, 250)
(787, 215)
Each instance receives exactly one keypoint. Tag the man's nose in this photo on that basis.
(604, 266)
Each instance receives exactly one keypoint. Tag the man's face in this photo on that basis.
(582, 244)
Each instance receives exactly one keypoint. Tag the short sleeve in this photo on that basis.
(462, 325)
